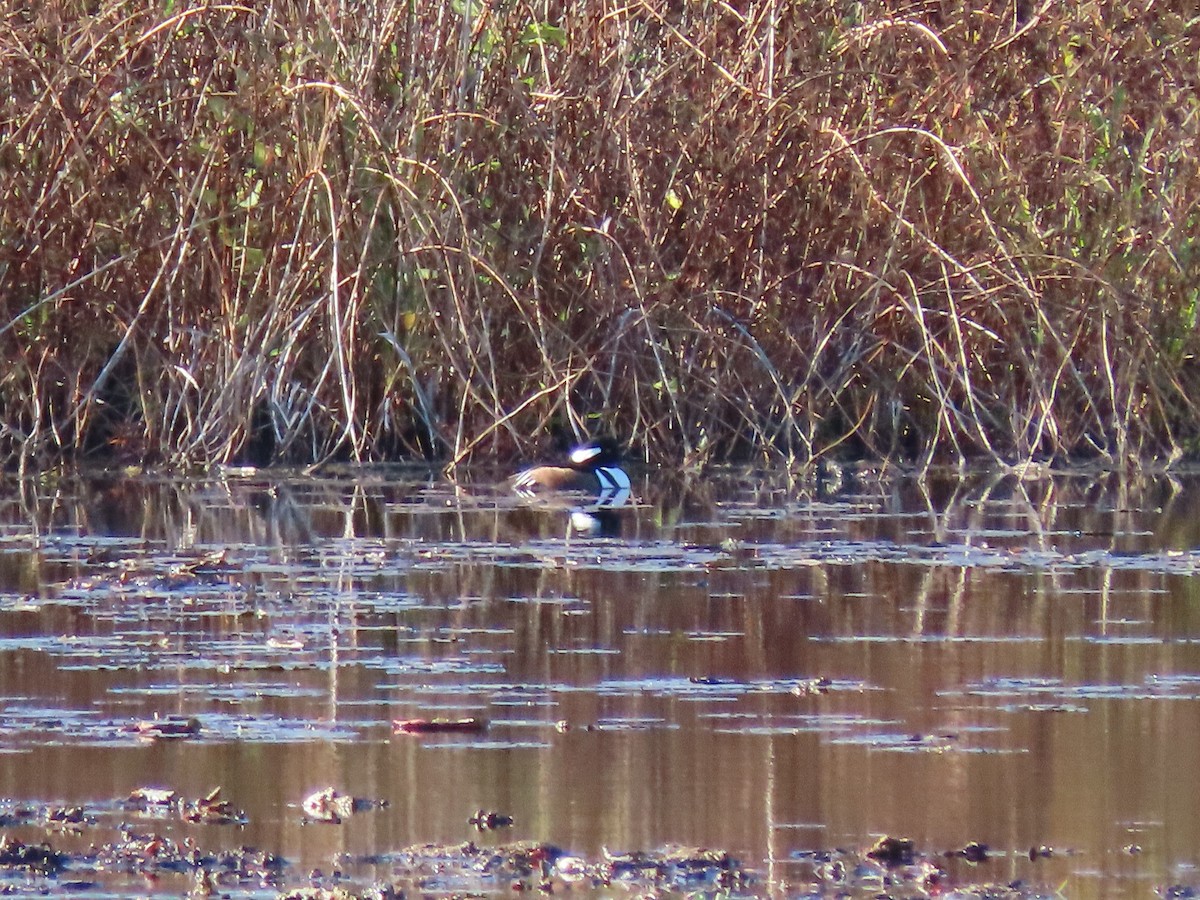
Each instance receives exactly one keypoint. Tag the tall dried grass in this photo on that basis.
(371, 228)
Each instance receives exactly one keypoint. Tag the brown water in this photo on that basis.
(1012, 663)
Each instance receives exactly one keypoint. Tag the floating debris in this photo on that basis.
(573, 869)
(810, 687)
(150, 798)
(1178, 892)
(58, 817)
(138, 575)
(155, 854)
(889, 863)
(439, 726)
(170, 728)
(467, 868)
(384, 892)
(285, 643)
(974, 852)
(893, 851)
(67, 816)
(212, 810)
(40, 858)
(710, 680)
(332, 806)
(679, 867)
(485, 820)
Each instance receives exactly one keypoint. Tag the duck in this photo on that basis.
(593, 468)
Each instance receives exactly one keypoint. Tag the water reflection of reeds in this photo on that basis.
(749, 665)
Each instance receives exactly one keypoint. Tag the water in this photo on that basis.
(748, 664)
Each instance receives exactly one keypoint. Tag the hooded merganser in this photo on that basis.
(593, 468)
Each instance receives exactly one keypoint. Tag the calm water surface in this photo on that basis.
(741, 663)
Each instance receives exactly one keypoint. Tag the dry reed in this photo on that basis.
(372, 229)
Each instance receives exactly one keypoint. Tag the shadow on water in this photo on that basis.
(901, 686)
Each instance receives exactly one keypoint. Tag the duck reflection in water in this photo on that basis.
(596, 522)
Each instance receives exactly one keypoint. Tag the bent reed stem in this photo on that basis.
(401, 230)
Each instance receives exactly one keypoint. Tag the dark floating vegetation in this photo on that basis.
(781, 231)
(466, 867)
(892, 865)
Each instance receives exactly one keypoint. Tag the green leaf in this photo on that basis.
(254, 257)
(541, 34)
(250, 200)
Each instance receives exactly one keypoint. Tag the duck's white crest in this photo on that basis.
(580, 455)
